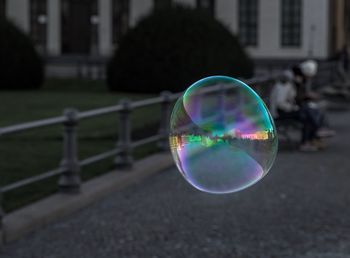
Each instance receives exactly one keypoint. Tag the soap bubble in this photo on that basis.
(222, 136)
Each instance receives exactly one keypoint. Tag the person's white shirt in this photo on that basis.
(283, 97)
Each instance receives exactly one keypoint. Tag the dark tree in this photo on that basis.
(171, 49)
(20, 65)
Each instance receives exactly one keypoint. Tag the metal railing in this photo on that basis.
(70, 166)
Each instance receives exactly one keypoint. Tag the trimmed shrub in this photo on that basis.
(172, 48)
(20, 65)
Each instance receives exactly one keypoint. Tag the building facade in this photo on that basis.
(269, 29)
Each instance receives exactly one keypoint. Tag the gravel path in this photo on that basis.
(300, 209)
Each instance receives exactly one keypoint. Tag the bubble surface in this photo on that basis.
(222, 136)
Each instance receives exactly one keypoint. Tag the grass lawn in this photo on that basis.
(40, 150)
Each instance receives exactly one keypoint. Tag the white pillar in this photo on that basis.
(269, 26)
(54, 27)
(227, 13)
(18, 12)
(139, 9)
(191, 3)
(105, 27)
(315, 26)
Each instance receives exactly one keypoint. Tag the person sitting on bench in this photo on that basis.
(285, 94)
(308, 98)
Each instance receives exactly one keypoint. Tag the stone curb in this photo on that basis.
(43, 212)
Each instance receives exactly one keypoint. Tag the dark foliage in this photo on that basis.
(20, 65)
(172, 48)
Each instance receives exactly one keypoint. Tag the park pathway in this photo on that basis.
(300, 209)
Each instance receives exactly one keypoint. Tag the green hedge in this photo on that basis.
(20, 65)
(172, 48)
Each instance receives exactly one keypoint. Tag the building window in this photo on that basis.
(120, 19)
(161, 4)
(2, 8)
(291, 23)
(207, 5)
(248, 22)
(79, 27)
(38, 22)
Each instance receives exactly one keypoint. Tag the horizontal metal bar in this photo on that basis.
(175, 96)
(146, 102)
(99, 111)
(56, 172)
(32, 125)
(146, 141)
(32, 180)
(99, 157)
(262, 79)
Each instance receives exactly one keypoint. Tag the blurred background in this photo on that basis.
(76, 38)
(87, 87)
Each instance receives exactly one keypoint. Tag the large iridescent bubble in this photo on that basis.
(222, 136)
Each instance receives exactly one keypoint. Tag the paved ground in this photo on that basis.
(301, 209)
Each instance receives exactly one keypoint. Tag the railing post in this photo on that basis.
(69, 181)
(165, 121)
(124, 159)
